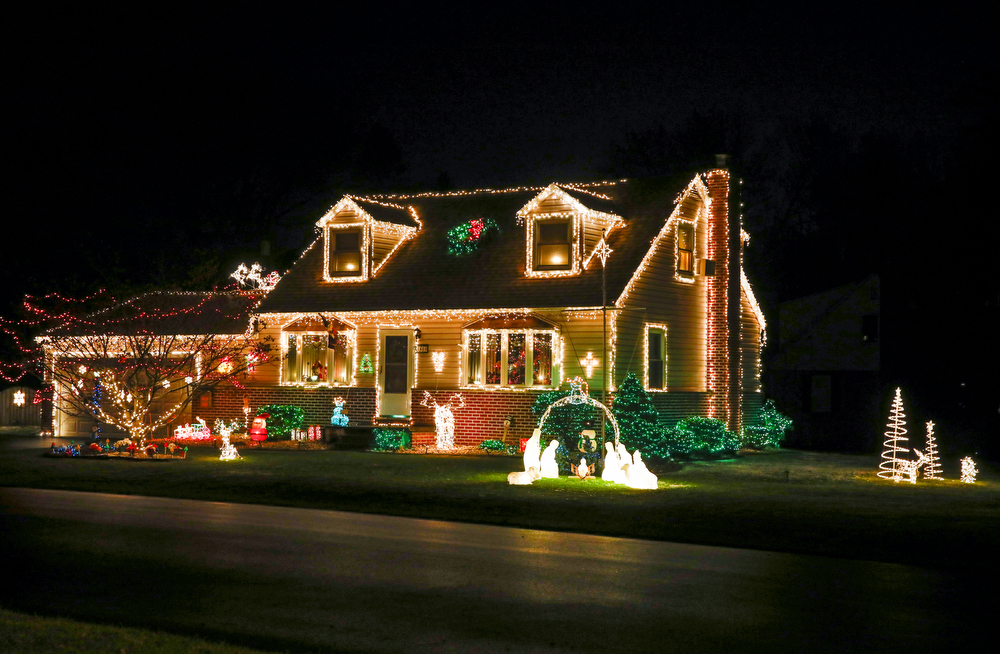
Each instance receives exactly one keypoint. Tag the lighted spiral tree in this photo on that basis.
(892, 467)
(932, 464)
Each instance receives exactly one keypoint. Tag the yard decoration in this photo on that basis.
(770, 430)
(225, 429)
(612, 465)
(533, 451)
(969, 470)
(366, 364)
(281, 420)
(525, 478)
(258, 430)
(444, 419)
(197, 432)
(637, 475)
(932, 468)
(549, 468)
(583, 471)
(338, 419)
(891, 466)
(578, 396)
(18, 398)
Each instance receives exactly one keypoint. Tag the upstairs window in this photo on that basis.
(685, 248)
(345, 253)
(553, 245)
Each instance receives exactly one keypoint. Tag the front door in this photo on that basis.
(395, 375)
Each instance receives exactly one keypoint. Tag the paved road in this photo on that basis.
(311, 580)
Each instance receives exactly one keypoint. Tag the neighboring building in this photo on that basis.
(380, 308)
(824, 371)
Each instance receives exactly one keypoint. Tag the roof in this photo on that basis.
(423, 275)
(170, 313)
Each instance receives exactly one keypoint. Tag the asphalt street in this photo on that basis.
(308, 580)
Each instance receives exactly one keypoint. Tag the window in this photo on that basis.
(656, 357)
(509, 358)
(317, 358)
(685, 248)
(345, 253)
(553, 243)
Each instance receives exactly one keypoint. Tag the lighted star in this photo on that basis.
(589, 364)
(603, 251)
(19, 398)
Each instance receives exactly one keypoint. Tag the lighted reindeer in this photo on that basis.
(444, 419)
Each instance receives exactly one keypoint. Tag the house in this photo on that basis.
(497, 295)
(503, 294)
(825, 370)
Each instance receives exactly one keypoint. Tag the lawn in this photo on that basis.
(27, 634)
(787, 501)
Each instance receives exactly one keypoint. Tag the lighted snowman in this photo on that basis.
(338, 419)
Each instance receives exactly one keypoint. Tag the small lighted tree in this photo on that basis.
(969, 470)
(932, 465)
(892, 466)
(637, 417)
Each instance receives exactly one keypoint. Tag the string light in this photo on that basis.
(891, 466)
(367, 223)
(645, 366)
(444, 419)
(366, 364)
(438, 359)
(588, 364)
(18, 398)
(969, 471)
(932, 467)
(251, 277)
(224, 429)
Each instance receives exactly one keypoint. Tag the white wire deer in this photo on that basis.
(444, 419)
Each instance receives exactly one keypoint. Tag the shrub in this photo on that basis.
(283, 419)
(701, 437)
(390, 440)
(493, 445)
(637, 418)
(770, 430)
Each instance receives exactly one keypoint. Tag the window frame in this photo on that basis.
(661, 329)
(330, 231)
(679, 273)
(555, 366)
(350, 359)
(574, 231)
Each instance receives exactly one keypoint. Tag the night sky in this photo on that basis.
(159, 148)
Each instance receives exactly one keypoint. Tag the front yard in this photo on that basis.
(786, 501)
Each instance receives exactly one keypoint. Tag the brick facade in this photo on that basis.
(717, 182)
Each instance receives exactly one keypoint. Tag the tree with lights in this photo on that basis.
(138, 364)
(932, 464)
(637, 417)
(892, 466)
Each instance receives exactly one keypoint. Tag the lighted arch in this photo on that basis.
(578, 395)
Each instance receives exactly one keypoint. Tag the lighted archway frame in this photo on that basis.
(579, 396)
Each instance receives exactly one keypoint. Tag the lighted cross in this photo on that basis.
(603, 251)
(19, 398)
(589, 364)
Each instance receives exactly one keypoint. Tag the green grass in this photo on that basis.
(828, 504)
(27, 634)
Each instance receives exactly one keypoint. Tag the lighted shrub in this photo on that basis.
(769, 430)
(390, 440)
(493, 445)
(698, 437)
(283, 418)
(637, 419)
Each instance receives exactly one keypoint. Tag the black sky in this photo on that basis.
(138, 143)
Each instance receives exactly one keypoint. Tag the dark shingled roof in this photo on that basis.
(423, 275)
(379, 211)
(166, 313)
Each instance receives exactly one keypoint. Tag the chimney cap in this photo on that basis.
(722, 160)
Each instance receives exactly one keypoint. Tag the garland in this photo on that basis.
(466, 238)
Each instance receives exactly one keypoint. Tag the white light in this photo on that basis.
(969, 470)
(892, 466)
(589, 363)
(82, 369)
(550, 469)
(438, 359)
(444, 419)
(166, 383)
(18, 398)
(188, 380)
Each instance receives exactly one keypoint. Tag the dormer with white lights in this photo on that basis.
(360, 236)
(561, 232)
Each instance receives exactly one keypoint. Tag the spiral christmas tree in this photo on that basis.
(932, 466)
(892, 466)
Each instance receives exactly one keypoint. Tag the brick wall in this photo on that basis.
(717, 182)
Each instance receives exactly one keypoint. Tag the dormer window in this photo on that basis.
(345, 252)
(553, 245)
(685, 248)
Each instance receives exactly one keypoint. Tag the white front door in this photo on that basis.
(395, 374)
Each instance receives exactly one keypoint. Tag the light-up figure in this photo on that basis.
(969, 470)
(444, 419)
(338, 419)
(224, 429)
(550, 469)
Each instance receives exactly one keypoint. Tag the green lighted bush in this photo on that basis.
(699, 437)
(637, 420)
(390, 440)
(493, 445)
(283, 419)
(769, 430)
